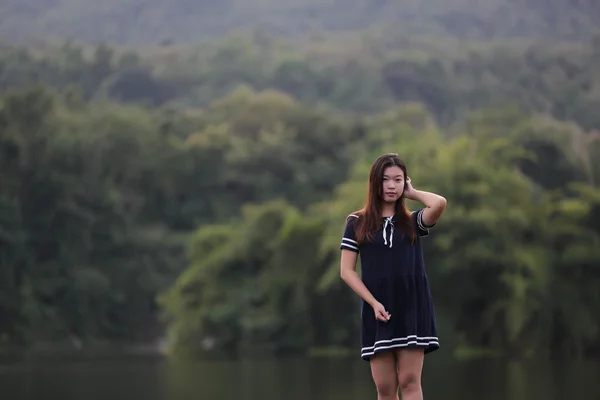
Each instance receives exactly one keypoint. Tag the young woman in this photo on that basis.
(398, 321)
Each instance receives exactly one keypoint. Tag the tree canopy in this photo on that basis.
(201, 190)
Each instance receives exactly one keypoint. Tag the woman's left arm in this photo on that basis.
(434, 203)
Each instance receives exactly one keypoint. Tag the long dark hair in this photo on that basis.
(370, 216)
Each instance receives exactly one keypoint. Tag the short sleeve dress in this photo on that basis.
(393, 270)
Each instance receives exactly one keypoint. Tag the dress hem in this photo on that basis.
(428, 346)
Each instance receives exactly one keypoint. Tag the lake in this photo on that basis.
(155, 378)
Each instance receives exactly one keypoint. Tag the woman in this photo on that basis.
(398, 321)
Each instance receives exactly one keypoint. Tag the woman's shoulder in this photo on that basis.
(354, 215)
(415, 213)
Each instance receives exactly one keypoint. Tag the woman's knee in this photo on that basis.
(409, 381)
(387, 388)
(410, 365)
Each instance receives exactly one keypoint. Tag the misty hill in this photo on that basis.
(151, 21)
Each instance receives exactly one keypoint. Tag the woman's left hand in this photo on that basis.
(409, 190)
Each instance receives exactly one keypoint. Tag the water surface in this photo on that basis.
(155, 378)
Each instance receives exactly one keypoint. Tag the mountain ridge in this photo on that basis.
(153, 21)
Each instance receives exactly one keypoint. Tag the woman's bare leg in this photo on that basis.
(383, 369)
(410, 366)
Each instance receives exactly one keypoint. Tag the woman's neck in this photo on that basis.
(388, 210)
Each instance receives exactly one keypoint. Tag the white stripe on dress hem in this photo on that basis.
(400, 338)
(430, 343)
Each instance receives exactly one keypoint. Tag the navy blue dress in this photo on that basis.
(394, 271)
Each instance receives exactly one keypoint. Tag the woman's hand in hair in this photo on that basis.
(435, 205)
(409, 191)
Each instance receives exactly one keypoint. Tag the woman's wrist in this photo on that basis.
(427, 198)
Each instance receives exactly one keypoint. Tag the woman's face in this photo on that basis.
(393, 184)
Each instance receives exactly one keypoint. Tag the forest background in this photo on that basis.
(184, 170)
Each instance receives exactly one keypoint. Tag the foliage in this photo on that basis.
(250, 287)
(504, 261)
(361, 75)
(97, 200)
(216, 178)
